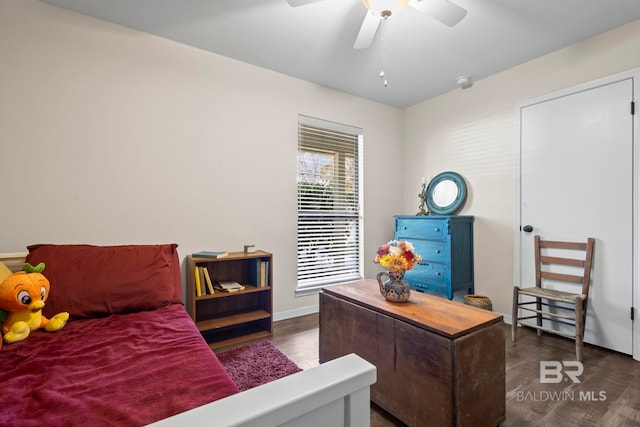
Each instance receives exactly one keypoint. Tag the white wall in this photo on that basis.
(472, 132)
(113, 136)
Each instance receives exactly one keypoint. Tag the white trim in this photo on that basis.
(517, 215)
(327, 253)
(507, 318)
(326, 124)
(636, 215)
(13, 255)
(290, 314)
(13, 260)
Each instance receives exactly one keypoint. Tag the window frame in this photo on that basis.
(353, 269)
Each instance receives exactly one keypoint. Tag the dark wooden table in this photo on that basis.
(440, 363)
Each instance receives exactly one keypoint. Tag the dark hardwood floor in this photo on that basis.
(608, 393)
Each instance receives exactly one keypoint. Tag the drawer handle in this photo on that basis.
(438, 273)
(437, 251)
(437, 229)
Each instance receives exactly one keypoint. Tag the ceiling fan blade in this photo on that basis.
(442, 10)
(367, 31)
(296, 3)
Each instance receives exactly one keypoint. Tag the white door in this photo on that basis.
(576, 181)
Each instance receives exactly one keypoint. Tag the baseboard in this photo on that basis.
(290, 314)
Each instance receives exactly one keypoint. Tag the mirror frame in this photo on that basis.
(454, 206)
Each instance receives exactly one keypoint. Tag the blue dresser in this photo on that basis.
(445, 243)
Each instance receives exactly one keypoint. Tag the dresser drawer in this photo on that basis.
(431, 250)
(436, 229)
(427, 272)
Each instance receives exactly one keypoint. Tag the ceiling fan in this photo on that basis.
(378, 10)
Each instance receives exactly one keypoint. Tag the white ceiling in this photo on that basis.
(315, 42)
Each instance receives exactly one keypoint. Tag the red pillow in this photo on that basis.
(94, 281)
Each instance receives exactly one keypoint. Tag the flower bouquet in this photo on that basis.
(397, 257)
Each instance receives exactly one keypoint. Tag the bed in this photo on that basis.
(130, 355)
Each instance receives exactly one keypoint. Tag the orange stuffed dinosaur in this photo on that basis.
(22, 296)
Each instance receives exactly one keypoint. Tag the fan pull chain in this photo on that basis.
(384, 53)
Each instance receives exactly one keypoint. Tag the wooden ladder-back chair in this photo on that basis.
(556, 305)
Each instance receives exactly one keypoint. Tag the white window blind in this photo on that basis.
(329, 203)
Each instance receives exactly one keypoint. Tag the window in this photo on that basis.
(329, 203)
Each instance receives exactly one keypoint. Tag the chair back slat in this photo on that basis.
(563, 245)
(561, 277)
(549, 261)
(563, 261)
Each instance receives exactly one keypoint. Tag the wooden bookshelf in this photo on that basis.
(226, 318)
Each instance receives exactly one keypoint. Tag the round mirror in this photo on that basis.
(446, 193)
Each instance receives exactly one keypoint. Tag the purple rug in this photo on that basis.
(256, 364)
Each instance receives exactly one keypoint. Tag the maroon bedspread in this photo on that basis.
(120, 370)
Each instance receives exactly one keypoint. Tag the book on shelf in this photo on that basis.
(264, 273)
(260, 273)
(210, 254)
(254, 272)
(203, 285)
(197, 280)
(228, 286)
(207, 278)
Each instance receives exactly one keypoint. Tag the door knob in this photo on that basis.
(527, 228)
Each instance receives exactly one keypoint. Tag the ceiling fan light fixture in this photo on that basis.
(385, 8)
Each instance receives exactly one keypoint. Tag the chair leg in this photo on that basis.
(580, 322)
(539, 315)
(514, 314)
